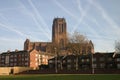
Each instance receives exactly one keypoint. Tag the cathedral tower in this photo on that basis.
(59, 32)
(27, 45)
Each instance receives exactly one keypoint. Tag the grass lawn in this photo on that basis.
(63, 77)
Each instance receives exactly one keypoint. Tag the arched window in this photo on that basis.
(61, 28)
(61, 43)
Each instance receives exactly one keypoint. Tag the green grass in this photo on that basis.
(62, 77)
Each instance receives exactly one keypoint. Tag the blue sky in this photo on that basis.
(99, 20)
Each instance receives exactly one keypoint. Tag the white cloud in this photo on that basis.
(11, 44)
(38, 18)
(64, 9)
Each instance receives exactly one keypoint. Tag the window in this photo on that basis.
(94, 65)
(69, 60)
(7, 59)
(51, 61)
(22, 55)
(11, 60)
(3, 56)
(118, 66)
(46, 61)
(102, 65)
(58, 61)
(59, 65)
(69, 66)
(11, 64)
(26, 59)
(26, 63)
(61, 28)
(87, 60)
(2, 60)
(118, 59)
(11, 56)
(94, 59)
(82, 60)
(36, 64)
(15, 64)
(36, 55)
(43, 56)
(36, 59)
(15, 55)
(26, 55)
(109, 59)
(74, 60)
(110, 65)
(102, 59)
(15, 59)
(22, 59)
(64, 61)
(43, 60)
(61, 43)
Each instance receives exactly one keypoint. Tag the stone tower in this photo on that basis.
(27, 45)
(59, 32)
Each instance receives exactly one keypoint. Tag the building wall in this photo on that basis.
(59, 40)
(38, 58)
(12, 70)
(98, 61)
(14, 58)
(34, 59)
(31, 59)
(59, 32)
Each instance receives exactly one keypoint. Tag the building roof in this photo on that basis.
(14, 52)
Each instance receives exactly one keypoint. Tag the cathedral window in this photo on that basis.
(61, 28)
(61, 43)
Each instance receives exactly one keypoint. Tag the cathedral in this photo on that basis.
(59, 40)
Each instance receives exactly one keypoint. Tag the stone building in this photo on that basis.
(59, 40)
(36, 54)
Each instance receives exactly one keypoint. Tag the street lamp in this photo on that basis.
(92, 65)
(56, 61)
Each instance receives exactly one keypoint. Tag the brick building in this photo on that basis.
(90, 63)
(14, 58)
(71, 62)
(31, 59)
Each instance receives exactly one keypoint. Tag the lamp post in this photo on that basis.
(92, 65)
(56, 61)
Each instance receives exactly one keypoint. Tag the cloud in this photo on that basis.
(83, 15)
(64, 9)
(100, 46)
(13, 44)
(79, 19)
(112, 24)
(83, 11)
(37, 17)
(7, 9)
(12, 29)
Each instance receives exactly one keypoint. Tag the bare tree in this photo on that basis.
(117, 46)
(76, 41)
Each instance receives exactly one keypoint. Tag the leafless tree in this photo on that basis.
(76, 42)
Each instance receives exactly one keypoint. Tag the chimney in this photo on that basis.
(8, 51)
(16, 50)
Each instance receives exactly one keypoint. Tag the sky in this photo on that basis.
(98, 20)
